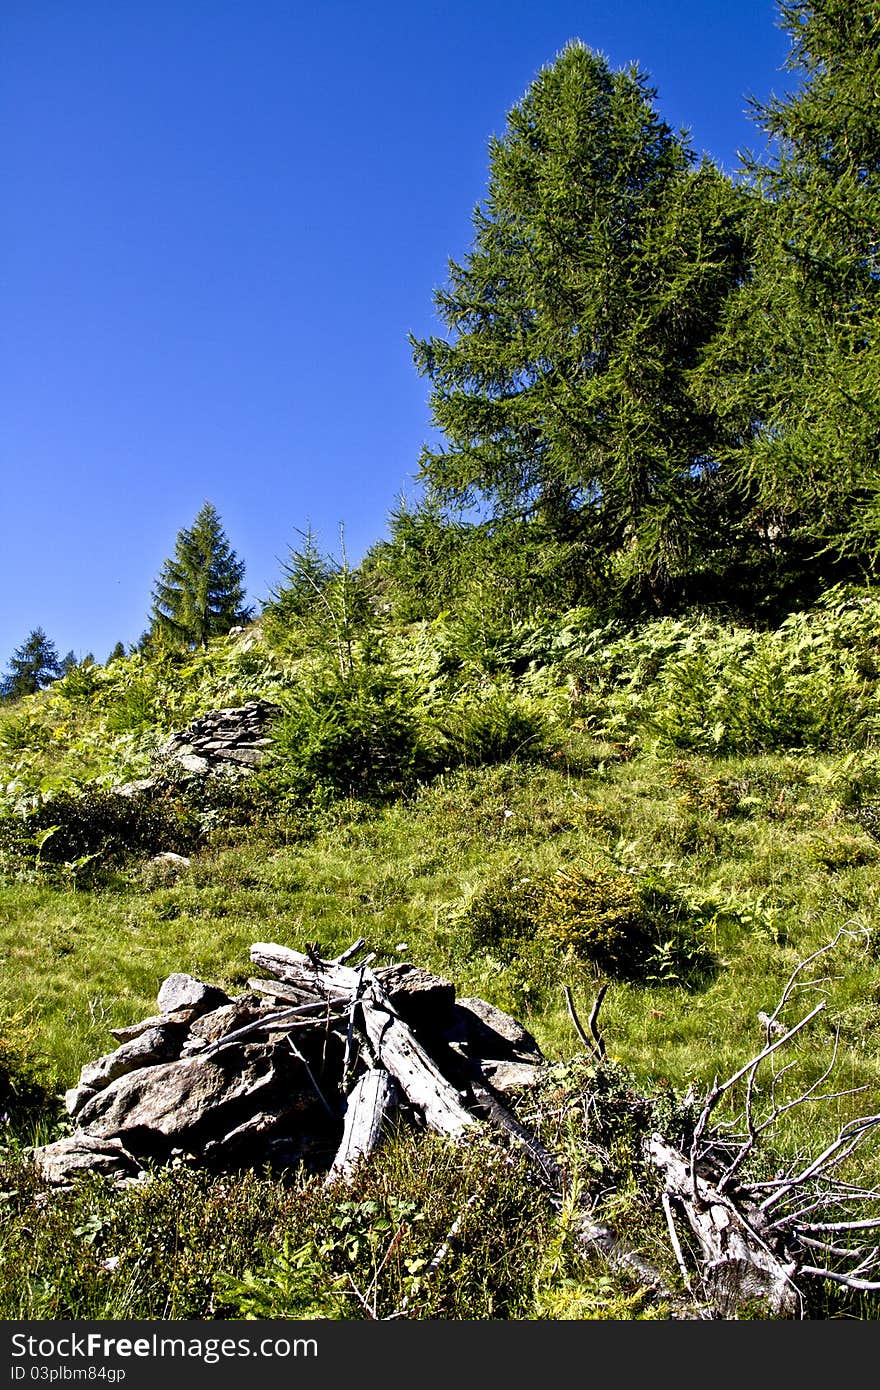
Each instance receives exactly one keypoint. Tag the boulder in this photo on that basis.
(160, 1044)
(421, 998)
(185, 1102)
(78, 1153)
(181, 991)
(182, 1017)
(483, 1031)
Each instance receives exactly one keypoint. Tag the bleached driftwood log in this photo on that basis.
(372, 1099)
(394, 1044)
(421, 1081)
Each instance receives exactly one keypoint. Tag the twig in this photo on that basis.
(675, 1242)
(595, 1043)
(350, 951)
(269, 1021)
(317, 1089)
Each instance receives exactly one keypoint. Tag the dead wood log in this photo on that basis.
(740, 1266)
(503, 1118)
(423, 1084)
(372, 1100)
(317, 978)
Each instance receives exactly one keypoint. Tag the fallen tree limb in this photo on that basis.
(740, 1266)
(421, 1081)
(372, 1100)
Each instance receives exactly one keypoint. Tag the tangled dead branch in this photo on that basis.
(768, 1239)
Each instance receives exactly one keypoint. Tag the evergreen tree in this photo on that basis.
(199, 593)
(798, 368)
(32, 666)
(601, 260)
(117, 653)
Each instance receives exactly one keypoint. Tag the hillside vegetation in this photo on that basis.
(566, 809)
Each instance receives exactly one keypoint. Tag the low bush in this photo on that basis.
(630, 926)
(356, 735)
(492, 726)
(97, 827)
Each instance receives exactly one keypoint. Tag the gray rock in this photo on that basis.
(137, 788)
(487, 1032)
(76, 1098)
(79, 1153)
(181, 991)
(169, 858)
(154, 1045)
(512, 1076)
(422, 999)
(182, 1102)
(211, 1027)
(222, 739)
(181, 1017)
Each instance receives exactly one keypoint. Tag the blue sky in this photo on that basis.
(221, 220)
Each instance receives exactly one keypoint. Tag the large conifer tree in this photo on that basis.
(200, 592)
(798, 370)
(601, 259)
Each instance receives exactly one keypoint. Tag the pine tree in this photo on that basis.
(601, 260)
(199, 593)
(32, 666)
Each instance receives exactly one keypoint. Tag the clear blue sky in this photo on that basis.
(221, 219)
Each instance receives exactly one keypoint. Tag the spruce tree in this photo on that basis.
(32, 666)
(200, 592)
(601, 259)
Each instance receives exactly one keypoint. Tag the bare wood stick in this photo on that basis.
(840, 1225)
(593, 1021)
(719, 1088)
(350, 951)
(276, 990)
(861, 1285)
(307, 971)
(369, 1104)
(349, 1032)
(311, 1075)
(675, 1242)
(792, 983)
(553, 1176)
(274, 1022)
(594, 1043)
(849, 1137)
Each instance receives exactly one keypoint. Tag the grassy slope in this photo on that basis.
(772, 853)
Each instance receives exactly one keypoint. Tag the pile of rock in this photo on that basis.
(302, 1067)
(222, 738)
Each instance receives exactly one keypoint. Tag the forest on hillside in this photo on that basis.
(596, 724)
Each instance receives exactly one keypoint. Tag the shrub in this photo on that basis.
(491, 727)
(350, 736)
(103, 825)
(632, 926)
(503, 914)
(22, 1097)
(598, 913)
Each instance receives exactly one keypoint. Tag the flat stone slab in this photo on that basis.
(78, 1153)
